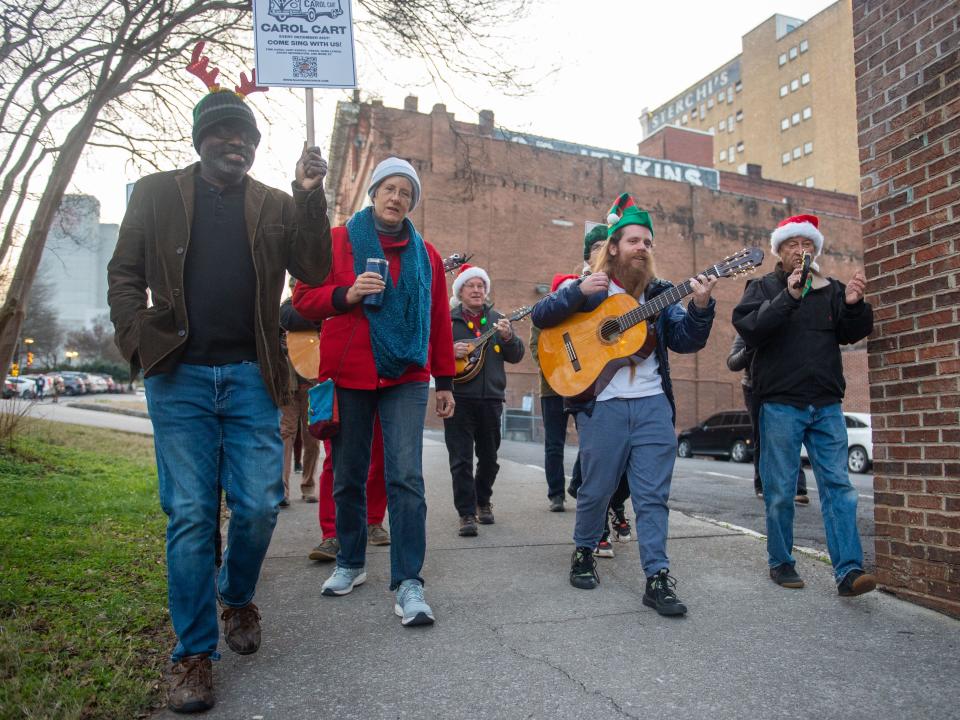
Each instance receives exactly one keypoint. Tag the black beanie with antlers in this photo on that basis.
(220, 106)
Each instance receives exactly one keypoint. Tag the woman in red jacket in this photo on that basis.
(380, 358)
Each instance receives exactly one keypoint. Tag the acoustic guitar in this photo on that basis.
(469, 365)
(303, 346)
(575, 353)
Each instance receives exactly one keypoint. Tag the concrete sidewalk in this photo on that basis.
(513, 639)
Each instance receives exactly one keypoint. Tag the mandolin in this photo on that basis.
(303, 346)
(469, 365)
(575, 353)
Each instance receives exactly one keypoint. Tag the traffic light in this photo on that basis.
(29, 359)
(15, 369)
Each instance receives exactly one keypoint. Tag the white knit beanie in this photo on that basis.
(395, 166)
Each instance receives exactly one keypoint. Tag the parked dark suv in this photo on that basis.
(726, 434)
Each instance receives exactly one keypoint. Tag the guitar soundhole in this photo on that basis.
(609, 331)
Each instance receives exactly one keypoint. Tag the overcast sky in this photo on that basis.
(610, 59)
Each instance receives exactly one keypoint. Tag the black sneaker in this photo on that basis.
(660, 595)
(620, 525)
(785, 576)
(856, 582)
(556, 504)
(583, 569)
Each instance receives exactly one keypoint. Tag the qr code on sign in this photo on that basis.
(304, 67)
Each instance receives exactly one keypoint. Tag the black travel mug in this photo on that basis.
(379, 266)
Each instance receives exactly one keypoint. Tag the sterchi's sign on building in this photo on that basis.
(635, 164)
(671, 112)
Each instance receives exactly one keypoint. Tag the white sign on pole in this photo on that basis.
(304, 43)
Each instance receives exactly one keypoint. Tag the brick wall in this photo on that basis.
(907, 57)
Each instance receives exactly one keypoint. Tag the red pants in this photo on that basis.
(376, 487)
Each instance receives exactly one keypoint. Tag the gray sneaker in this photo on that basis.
(410, 605)
(343, 581)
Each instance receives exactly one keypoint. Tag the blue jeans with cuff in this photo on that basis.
(214, 426)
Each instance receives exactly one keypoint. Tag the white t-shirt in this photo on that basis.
(633, 381)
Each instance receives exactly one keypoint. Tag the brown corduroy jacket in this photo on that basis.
(285, 234)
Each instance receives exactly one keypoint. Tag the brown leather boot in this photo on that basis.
(241, 628)
(485, 514)
(190, 684)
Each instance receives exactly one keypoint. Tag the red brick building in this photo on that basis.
(518, 204)
(907, 57)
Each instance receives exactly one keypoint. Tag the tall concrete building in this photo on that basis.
(787, 103)
(518, 204)
(75, 261)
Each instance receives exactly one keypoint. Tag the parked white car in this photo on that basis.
(859, 442)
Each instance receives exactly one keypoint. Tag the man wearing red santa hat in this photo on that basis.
(797, 319)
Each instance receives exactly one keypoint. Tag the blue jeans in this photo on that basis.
(823, 430)
(214, 427)
(554, 439)
(635, 435)
(402, 411)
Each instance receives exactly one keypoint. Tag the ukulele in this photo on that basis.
(303, 346)
(469, 365)
(574, 353)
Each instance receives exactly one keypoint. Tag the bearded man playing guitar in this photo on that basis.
(479, 394)
(627, 422)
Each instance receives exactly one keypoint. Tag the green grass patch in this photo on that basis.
(84, 629)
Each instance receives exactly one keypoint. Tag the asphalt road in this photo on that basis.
(723, 491)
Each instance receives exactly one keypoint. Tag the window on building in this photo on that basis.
(808, 148)
(739, 115)
(709, 103)
(739, 86)
(785, 158)
(693, 114)
(807, 113)
(793, 53)
(730, 124)
(740, 147)
(805, 79)
(809, 182)
(723, 125)
(703, 110)
(783, 59)
(804, 46)
(795, 118)
(723, 155)
(730, 155)
(784, 90)
(683, 120)
(785, 124)
(794, 85)
(797, 152)
(729, 94)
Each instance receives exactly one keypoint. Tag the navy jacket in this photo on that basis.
(680, 330)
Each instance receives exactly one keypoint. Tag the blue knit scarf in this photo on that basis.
(400, 328)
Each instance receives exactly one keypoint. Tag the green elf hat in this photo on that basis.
(596, 234)
(625, 212)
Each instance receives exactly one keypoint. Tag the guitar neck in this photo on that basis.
(648, 309)
(477, 342)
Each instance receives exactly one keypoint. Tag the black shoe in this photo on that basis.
(284, 503)
(856, 582)
(660, 595)
(620, 525)
(298, 468)
(583, 569)
(485, 515)
(801, 500)
(556, 504)
(468, 526)
(785, 576)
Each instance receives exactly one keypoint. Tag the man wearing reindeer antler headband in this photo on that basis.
(212, 245)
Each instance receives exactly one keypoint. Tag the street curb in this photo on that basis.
(103, 408)
(812, 552)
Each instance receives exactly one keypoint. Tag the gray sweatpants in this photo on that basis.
(637, 435)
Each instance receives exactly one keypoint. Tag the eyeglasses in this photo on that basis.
(231, 129)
